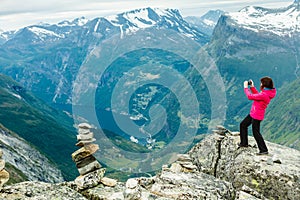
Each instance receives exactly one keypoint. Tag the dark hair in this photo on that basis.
(267, 82)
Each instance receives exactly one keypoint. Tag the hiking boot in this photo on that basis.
(240, 145)
(262, 153)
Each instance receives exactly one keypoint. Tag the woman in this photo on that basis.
(261, 101)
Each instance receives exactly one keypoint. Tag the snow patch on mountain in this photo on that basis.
(43, 33)
(16, 95)
(135, 20)
(282, 22)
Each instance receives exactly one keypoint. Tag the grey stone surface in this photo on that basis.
(241, 166)
(39, 191)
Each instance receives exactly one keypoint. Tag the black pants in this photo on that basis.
(256, 133)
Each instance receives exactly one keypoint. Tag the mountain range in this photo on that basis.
(45, 61)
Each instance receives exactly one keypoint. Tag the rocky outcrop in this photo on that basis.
(274, 176)
(215, 168)
(39, 191)
(34, 165)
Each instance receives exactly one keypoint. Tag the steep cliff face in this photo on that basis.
(28, 160)
(213, 169)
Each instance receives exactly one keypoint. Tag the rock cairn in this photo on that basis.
(88, 167)
(4, 175)
(90, 170)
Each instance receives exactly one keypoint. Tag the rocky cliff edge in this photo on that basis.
(215, 168)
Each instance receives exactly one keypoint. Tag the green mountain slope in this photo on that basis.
(50, 131)
(282, 123)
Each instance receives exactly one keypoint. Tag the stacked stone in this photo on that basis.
(88, 167)
(4, 175)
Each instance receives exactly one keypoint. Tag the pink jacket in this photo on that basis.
(261, 101)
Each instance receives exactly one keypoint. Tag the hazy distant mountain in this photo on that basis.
(207, 22)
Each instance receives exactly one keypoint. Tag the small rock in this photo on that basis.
(84, 152)
(133, 190)
(235, 133)
(190, 167)
(90, 180)
(87, 136)
(89, 168)
(175, 167)
(184, 158)
(278, 161)
(220, 127)
(131, 183)
(219, 132)
(146, 182)
(82, 143)
(83, 131)
(109, 182)
(84, 126)
(270, 161)
(85, 161)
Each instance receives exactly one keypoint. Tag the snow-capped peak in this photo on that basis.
(141, 18)
(130, 22)
(282, 22)
(76, 22)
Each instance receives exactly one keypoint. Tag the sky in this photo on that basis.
(15, 14)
